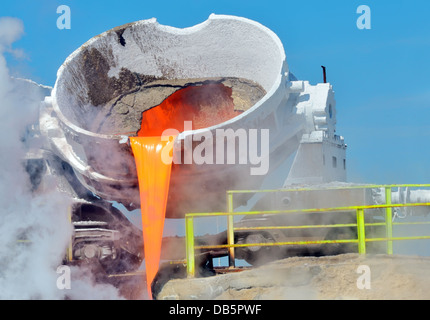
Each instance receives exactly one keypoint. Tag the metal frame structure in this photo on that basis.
(360, 223)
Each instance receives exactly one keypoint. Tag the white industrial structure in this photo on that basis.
(321, 155)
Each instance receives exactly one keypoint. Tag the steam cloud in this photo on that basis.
(28, 269)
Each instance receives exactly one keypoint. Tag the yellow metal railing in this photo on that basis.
(360, 224)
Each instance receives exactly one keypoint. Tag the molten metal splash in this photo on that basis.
(154, 178)
(204, 105)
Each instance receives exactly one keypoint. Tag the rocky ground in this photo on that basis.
(347, 276)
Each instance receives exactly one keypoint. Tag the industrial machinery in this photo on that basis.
(106, 86)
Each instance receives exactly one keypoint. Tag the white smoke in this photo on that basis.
(34, 229)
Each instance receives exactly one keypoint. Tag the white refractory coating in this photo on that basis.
(222, 46)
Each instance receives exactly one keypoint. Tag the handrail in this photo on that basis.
(333, 209)
(346, 186)
(360, 224)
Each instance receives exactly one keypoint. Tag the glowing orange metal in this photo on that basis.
(153, 170)
(204, 105)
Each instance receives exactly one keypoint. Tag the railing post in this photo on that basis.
(388, 220)
(70, 246)
(189, 240)
(361, 232)
(230, 230)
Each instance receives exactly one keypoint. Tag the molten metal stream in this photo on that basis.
(204, 105)
(154, 178)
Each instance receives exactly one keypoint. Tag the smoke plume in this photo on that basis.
(34, 228)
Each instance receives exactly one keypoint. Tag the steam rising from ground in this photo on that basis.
(28, 269)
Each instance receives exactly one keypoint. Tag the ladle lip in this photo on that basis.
(189, 30)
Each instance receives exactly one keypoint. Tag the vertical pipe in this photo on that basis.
(189, 241)
(388, 220)
(230, 230)
(361, 232)
(70, 247)
(324, 74)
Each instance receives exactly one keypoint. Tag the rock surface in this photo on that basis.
(331, 277)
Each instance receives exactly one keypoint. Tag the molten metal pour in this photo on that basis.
(154, 179)
(204, 106)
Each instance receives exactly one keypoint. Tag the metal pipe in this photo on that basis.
(334, 209)
(230, 231)
(369, 186)
(324, 74)
(361, 232)
(189, 239)
(70, 246)
(273, 244)
(389, 220)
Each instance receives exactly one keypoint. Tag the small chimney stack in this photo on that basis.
(324, 74)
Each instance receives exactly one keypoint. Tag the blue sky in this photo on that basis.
(381, 76)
